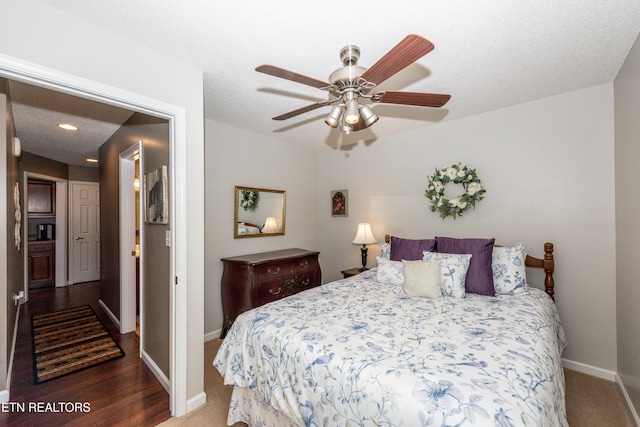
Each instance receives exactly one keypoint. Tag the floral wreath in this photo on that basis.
(248, 199)
(473, 190)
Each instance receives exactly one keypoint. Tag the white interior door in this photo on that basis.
(85, 227)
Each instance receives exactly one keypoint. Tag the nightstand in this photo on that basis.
(350, 272)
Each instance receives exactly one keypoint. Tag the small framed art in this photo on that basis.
(340, 203)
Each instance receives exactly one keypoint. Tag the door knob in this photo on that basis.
(78, 238)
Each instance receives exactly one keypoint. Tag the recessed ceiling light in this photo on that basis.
(67, 126)
(92, 160)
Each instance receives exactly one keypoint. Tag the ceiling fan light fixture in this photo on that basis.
(347, 128)
(333, 119)
(352, 115)
(368, 116)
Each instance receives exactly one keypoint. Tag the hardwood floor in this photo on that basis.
(118, 392)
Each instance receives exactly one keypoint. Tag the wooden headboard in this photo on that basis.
(547, 263)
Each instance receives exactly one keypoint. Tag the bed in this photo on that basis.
(362, 352)
(248, 228)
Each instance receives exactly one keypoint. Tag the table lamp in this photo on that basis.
(364, 237)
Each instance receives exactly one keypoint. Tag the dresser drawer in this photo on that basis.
(40, 247)
(281, 269)
(283, 287)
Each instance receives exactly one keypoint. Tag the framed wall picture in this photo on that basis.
(340, 203)
(156, 196)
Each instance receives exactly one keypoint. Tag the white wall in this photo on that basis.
(34, 32)
(237, 157)
(627, 112)
(548, 169)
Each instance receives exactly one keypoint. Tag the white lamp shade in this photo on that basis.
(270, 225)
(364, 236)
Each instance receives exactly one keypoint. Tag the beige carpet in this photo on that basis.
(591, 402)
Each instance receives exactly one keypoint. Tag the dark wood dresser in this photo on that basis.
(250, 281)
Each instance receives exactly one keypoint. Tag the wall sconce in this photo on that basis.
(364, 237)
(270, 225)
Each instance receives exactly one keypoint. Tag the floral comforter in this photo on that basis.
(356, 352)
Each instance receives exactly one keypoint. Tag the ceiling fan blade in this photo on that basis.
(302, 110)
(290, 75)
(411, 98)
(409, 50)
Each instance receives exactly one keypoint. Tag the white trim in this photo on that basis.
(4, 396)
(13, 347)
(212, 335)
(39, 75)
(627, 398)
(196, 401)
(109, 313)
(594, 371)
(128, 240)
(155, 370)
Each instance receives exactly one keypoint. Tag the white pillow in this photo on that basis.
(422, 279)
(453, 271)
(390, 272)
(385, 250)
(509, 270)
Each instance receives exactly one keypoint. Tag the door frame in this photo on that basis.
(38, 75)
(128, 241)
(61, 228)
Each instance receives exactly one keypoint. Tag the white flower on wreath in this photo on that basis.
(437, 186)
(461, 173)
(452, 173)
(473, 188)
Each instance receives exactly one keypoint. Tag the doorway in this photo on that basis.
(60, 219)
(176, 116)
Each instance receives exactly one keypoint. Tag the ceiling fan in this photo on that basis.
(351, 84)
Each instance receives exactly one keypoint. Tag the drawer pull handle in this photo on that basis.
(305, 282)
(276, 292)
(274, 272)
(304, 264)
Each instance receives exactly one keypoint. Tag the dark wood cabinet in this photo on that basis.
(41, 263)
(41, 198)
(250, 281)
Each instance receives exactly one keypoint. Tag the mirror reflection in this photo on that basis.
(258, 212)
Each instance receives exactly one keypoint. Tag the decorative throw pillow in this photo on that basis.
(480, 275)
(422, 279)
(409, 249)
(453, 272)
(385, 250)
(509, 270)
(390, 272)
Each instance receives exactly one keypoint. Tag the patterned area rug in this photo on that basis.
(67, 341)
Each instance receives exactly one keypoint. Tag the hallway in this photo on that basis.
(118, 392)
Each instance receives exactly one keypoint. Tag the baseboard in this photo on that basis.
(212, 335)
(112, 316)
(4, 396)
(156, 371)
(13, 348)
(632, 409)
(196, 401)
(594, 371)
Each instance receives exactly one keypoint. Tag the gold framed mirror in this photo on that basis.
(258, 212)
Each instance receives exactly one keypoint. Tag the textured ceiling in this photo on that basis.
(488, 55)
(37, 113)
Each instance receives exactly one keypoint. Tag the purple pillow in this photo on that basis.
(480, 275)
(411, 250)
